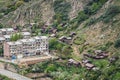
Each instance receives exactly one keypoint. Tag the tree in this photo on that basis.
(117, 44)
(1, 51)
(1, 26)
(50, 68)
(52, 43)
(15, 37)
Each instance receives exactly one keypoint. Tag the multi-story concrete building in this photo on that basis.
(2, 39)
(27, 47)
(26, 35)
(5, 34)
(7, 31)
(7, 37)
(0, 33)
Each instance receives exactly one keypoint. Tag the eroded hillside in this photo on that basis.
(36, 11)
(81, 32)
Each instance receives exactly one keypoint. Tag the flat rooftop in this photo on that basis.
(26, 33)
(2, 38)
(43, 37)
(7, 36)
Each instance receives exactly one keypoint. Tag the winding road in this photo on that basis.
(13, 75)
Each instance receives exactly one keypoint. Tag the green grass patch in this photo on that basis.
(79, 40)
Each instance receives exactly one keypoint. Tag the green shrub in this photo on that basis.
(50, 68)
(1, 26)
(90, 21)
(93, 6)
(60, 28)
(1, 15)
(4, 77)
(92, 9)
(78, 20)
(16, 37)
(81, 49)
(1, 51)
(90, 51)
(55, 45)
(19, 3)
(105, 46)
(63, 50)
(81, 16)
(79, 40)
(61, 8)
(117, 43)
(110, 13)
(25, 0)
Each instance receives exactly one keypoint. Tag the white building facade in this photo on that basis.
(27, 47)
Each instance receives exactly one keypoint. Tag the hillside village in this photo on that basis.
(61, 39)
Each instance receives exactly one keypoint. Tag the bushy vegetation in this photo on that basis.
(35, 29)
(54, 44)
(1, 26)
(117, 43)
(110, 13)
(4, 77)
(105, 46)
(79, 40)
(108, 16)
(90, 22)
(16, 37)
(91, 8)
(1, 51)
(60, 70)
(81, 49)
(61, 8)
(63, 50)
(12, 6)
(25, 0)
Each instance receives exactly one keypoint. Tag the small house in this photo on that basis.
(73, 62)
(86, 61)
(52, 35)
(72, 34)
(89, 66)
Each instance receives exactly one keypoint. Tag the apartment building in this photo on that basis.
(27, 47)
(2, 40)
(6, 31)
(0, 33)
(5, 34)
(26, 35)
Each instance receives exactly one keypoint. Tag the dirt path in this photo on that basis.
(75, 50)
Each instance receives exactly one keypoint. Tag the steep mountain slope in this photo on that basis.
(37, 10)
(96, 27)
(84, 16)
(100, 33)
